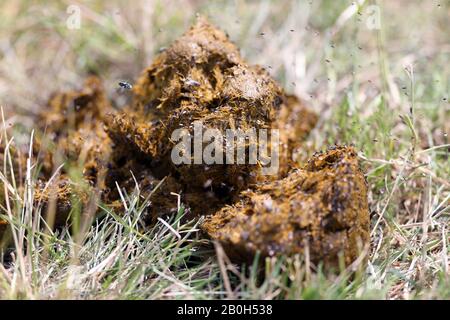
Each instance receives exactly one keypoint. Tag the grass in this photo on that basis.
(385, 90)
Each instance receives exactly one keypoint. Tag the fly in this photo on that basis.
(192, 83)
(125, 85)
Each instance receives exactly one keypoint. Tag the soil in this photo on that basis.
(321, 205)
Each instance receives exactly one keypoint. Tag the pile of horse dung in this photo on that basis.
(320, 206)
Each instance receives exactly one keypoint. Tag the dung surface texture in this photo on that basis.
(321, 207)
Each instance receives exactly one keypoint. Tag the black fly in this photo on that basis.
(125, 85)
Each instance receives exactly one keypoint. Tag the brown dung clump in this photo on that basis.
(73, 130)
(73, 136)
(322, 206)
(202, 77)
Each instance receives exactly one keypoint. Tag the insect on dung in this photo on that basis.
(192, 83)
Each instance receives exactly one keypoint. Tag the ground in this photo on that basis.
(377, 73)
